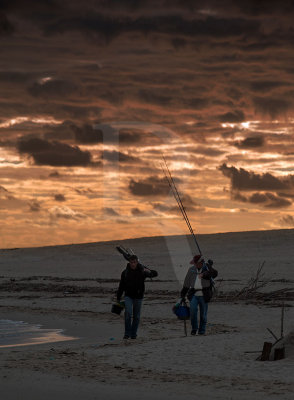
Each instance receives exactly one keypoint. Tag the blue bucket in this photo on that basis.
(182, 311)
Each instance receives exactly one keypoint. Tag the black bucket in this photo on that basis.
(116, 308)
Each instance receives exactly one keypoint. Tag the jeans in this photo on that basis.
(132, 309)
(194, 303)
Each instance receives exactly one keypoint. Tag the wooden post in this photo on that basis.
(267, 346)
(279, 354)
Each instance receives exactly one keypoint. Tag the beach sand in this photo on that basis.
(71, 288)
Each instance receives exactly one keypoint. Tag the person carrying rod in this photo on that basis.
(132, 284)
(199, 279)
(197, 287)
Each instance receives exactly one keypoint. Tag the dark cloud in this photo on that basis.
(87, 134)
(15, 76)
(6, 27)
(246, 181)
(3, 190)
(136, 212)
(98, 25)
(232, 116)
(250, 142)
(155, 96)
(53, 88)
(34, 206)
(272, 106)
(209, 151)
(54, 153)
(287, 220)
(265, 199)
(59, 197)
(54, 174)
(265, 7)
(130, 136)
(286, 194)
(152, 186)
(118, 156)
(239, 197)
(135, 136)
(75, 112)
(60, 132)
(89, 193)
(195, 103)
(188, 202)
(266, 86)
(110, 212)
(50, 9)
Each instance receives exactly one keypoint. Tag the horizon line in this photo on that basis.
(144, 237)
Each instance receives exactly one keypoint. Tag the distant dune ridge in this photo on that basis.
(228, 250)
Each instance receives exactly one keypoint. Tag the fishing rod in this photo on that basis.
(177, 199)
(127, 253)
(177, 196)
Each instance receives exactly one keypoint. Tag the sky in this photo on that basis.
(94, 93)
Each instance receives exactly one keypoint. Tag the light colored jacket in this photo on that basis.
(191, 276)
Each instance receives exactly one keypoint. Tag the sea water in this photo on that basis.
(20, 333)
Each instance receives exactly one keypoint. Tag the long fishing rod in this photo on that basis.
(177, 199)
(177, 196)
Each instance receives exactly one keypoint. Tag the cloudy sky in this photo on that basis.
(94, 93)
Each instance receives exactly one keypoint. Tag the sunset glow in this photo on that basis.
(88, 114)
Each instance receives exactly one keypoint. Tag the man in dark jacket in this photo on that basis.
(197, 286)
(132, 283)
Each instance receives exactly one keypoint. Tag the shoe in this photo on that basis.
(193, 332)
(134, 337)
(126, 337)
(201, 333)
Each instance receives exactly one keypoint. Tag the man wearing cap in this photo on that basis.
(197, 286)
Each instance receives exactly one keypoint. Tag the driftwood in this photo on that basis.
(272, 333)
(254, 283)
(250, 291)
(279, 352)
(266, 351)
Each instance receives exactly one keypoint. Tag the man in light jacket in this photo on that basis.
(197, 287)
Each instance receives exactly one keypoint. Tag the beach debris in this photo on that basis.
(253, 284)
(272, 333)
(268, 351)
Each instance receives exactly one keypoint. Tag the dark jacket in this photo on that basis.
(206, 282)
(132, 281)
